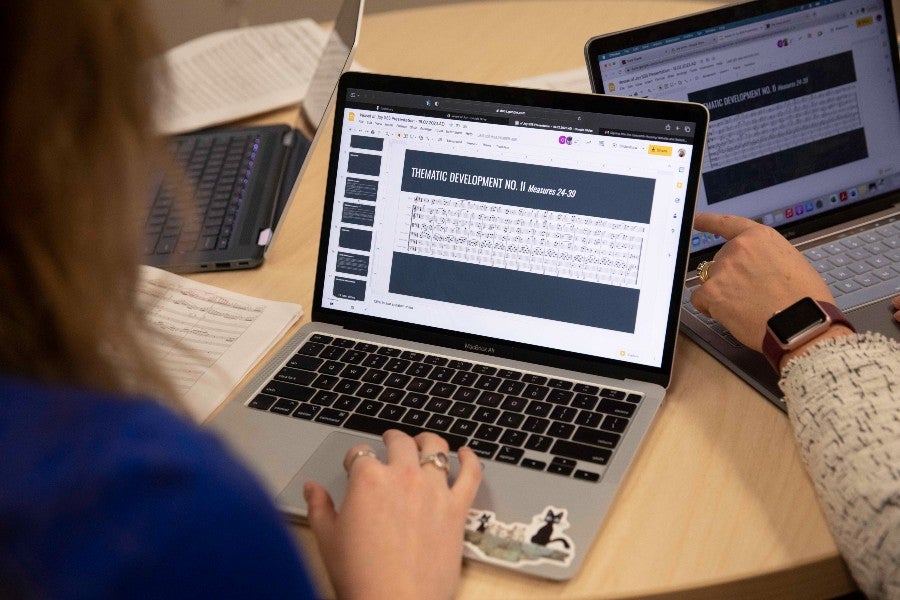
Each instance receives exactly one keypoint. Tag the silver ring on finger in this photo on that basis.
(438, 459)
(360, 454)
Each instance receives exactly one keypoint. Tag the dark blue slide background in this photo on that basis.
(361, 189)
(364, 164)
(352, 264)
(349, 289)
(358, 214)
(786, 165)
(365, 142)
(518, 292)
(601, 195)
(791, 163)
(355, 239)
(821, 74)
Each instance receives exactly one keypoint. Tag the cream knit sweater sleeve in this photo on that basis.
(843, 400)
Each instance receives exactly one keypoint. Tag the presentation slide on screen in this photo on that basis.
(781, 125)
(550, 246)
(803, 106)
(522, 237)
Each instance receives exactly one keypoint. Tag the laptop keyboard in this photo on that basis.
(217, 169)
(858, 268)
(562, 426)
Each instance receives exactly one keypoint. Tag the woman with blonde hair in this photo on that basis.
(104, 490)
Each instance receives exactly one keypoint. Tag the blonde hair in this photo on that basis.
(76, 152)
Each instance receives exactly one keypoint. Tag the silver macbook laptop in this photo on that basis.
(503, 267)
(804, 136)
(241, 179)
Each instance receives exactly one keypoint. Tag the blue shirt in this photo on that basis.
(107, 496)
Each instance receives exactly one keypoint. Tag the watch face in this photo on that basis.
(797, 318)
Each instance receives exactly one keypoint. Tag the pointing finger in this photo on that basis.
(727, 226)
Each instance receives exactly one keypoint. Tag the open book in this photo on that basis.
(213, 336)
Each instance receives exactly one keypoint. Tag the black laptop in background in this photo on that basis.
(219, 208)
(804, 136)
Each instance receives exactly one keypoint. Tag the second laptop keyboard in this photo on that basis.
(858, 268)
(217, 169)
(861, 267)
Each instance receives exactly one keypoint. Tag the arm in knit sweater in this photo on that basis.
(843, 400)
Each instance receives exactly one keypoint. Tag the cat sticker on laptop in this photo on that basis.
(540, 541)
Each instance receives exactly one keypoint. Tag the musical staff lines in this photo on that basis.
(537, 241)
(209, 338)
(788, 124)
(202, 325)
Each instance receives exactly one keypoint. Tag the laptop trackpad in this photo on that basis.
(877, 316)
(326, 466)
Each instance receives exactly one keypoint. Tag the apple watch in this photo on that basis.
(797, 324)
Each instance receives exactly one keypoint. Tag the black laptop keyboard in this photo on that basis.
(217, 169)
(561, 426)
(858, 268)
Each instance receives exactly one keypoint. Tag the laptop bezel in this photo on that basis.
(513, 350)
(662, 30)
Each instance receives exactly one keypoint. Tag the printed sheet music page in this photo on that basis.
(211, 337)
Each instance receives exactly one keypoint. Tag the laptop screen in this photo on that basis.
(509, 221)
(802, 98)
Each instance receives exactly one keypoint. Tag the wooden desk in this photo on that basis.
(717, 503)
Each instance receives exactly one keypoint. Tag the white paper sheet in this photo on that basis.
(236, 73)
(214, 337)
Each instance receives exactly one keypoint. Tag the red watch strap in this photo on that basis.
(773, 350)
